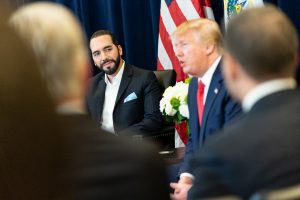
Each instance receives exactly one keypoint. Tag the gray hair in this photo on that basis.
(58, 42)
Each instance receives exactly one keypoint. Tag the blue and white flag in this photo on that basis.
(234, 7)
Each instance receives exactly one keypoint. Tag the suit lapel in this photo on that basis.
(194, 125)
(214, 88)
(126, 78)
(99, 98)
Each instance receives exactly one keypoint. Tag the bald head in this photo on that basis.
(264, 42)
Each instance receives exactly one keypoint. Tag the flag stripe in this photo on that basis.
(208, 12)
(166, 18)
(163, 56)
(166, 46)
(177, 15)
(199, 7)
(188, 9)
(206, 3)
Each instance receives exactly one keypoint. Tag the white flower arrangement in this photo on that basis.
(173, 105)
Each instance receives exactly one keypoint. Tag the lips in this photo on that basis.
(106, 64)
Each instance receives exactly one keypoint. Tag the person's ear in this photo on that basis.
(210, 48)
(120, 50)
(230, 67)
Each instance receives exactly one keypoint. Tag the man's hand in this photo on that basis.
(181, 188)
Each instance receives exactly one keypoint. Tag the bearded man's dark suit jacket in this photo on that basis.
(103, 166)
(260, 151)
(139, 115)
(219, 109)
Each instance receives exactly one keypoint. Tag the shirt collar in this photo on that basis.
(265, 89)
(117, 78)
(206, 78)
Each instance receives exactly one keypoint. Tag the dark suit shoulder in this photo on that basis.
(139, 71)
(142, 76)
(98, 77)
(103, 166)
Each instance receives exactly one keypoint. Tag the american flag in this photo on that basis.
(172, 14)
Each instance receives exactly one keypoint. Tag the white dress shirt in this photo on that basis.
(111, 93)
(265, 89)
(206, 78)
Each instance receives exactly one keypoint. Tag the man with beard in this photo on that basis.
(121, 96)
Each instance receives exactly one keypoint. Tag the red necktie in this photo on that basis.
(200, 95)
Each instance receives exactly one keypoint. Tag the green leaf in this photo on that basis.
(186, 99)
(188, 80)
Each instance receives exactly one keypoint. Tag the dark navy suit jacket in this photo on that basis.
(259, 152)
(219, 109)
(138, 115)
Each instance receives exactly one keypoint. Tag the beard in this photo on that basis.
(114, 68)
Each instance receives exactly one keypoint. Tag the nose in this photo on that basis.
(178, 52)
(103, 56)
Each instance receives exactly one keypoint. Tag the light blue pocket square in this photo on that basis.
(130, 97)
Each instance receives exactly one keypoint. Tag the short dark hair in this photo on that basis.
(264, 41)
(105, 32)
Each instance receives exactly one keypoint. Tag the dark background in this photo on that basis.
(135, 23)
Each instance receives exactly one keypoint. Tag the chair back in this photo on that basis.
(165, 138)
(166, 78)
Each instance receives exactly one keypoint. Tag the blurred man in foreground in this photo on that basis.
(100, 165)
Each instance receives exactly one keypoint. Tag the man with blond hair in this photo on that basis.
(198, 47)
(99, 165)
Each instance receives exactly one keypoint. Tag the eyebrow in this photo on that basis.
(106, 47)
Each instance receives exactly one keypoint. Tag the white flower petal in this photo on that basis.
(170, 110)
(184, 111)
